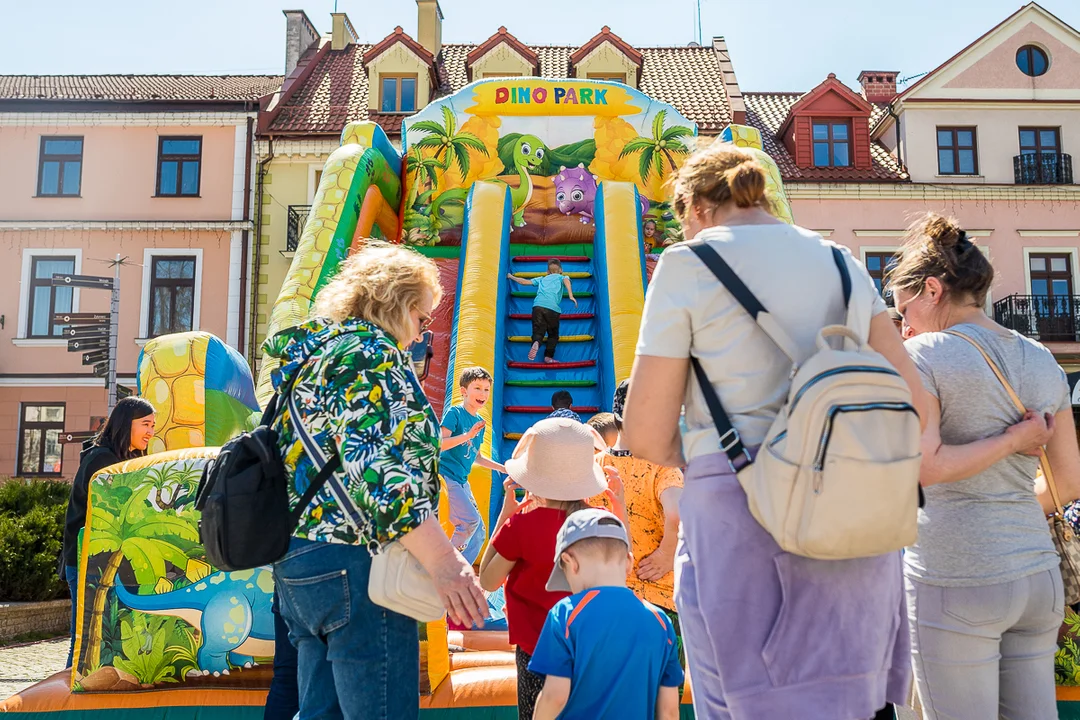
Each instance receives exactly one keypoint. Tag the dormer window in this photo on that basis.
(397, 93)
(832, 143)
(610, 77)
(501, 55)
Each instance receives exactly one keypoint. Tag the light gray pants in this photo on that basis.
(986, 652)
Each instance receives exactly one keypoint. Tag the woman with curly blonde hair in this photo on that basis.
(352, 388)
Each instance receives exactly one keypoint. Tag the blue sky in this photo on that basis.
(776, 44)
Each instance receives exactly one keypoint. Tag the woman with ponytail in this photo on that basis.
(768, 634)
(985, 596)
(126, 435)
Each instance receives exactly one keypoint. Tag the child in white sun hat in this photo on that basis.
(555, 463)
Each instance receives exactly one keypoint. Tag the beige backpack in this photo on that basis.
(838, 474)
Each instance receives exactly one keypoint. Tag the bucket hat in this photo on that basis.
(555, 459)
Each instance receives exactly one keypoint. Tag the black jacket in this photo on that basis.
(92, 459)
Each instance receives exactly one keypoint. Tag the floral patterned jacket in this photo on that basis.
(357, 397)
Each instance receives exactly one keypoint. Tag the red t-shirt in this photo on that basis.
(528, 539)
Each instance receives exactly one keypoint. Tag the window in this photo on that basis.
(1032, 61)
(40, 427)
(1051, 275)
(1036, 141)
(610, 77)
(832, 144)
(44, 299)
(1052, 295)
(60, 167)
(179, 161)
(397, 93)
(172, 295)
(878, 265)
(956, 151)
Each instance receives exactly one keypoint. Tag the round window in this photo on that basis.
(1032, 61)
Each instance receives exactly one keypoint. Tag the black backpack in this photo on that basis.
(244, 498)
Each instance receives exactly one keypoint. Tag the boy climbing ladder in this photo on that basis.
(547, 307)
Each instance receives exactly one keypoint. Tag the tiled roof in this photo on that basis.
(182, 88)
(689, 78)
(767, 112)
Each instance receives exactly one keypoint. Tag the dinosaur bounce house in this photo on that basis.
(496, 178)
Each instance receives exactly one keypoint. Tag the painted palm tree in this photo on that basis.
(126, 526)
(663, 145)
(450, 146)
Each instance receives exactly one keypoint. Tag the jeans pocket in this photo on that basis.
(837, 618)
(321, 603)
(976, 606)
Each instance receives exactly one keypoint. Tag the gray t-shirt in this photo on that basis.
(988, 528)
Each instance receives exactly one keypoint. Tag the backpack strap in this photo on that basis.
(730, 441)
(727, 277)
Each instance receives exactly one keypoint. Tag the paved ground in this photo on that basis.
(24, 665)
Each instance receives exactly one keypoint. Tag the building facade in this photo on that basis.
(987, 137)
(332, 79)
(154, 169)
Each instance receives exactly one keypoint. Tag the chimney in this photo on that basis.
(343, 33)
(429, 19)
(878, 86)
(300, 35)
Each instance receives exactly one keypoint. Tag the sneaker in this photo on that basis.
(549, 360)
(533, 350)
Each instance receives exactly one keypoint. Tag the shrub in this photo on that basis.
(31, 539)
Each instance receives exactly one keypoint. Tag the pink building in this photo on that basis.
(156, 169)
(988, 137)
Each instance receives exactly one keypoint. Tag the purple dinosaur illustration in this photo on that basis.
(575, 193)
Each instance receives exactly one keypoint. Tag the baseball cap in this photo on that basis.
(581, 525)
(618, 403)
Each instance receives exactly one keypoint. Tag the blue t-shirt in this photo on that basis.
(456, 463)
(549, 292)
(617, 650)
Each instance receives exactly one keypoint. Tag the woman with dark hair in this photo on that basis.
(125, 436)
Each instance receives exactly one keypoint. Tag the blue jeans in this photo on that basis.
(356, 660)
(283, 700)
(71, 574)
(468, 534)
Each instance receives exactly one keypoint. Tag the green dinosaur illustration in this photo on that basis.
(528, 155)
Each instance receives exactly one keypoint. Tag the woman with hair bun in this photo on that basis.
(768, 634)
(984, 590)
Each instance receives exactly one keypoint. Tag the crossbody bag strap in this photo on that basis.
(1044, 460)
(845, 283)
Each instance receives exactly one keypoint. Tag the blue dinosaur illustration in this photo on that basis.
(230, 609)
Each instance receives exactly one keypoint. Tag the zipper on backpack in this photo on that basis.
(826, 437)
(839, 371)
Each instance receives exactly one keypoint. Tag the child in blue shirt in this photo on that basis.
(547, 307)
(602, 620)
(462, 438)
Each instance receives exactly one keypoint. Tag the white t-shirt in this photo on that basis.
(792, 272)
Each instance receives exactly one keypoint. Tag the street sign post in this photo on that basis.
(94, 334)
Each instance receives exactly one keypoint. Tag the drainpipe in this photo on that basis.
(259, 190)
(899, 152)
(245, 238)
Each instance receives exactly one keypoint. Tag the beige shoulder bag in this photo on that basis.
(1065, 541)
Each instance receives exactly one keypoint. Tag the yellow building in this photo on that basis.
(332, 80)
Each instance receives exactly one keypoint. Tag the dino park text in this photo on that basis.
(559, 95)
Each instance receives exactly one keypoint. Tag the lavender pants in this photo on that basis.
(769, 634)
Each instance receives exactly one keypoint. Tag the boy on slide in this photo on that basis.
(547, 307)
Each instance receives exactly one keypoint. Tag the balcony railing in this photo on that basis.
(1049, 319)
(1043, 169)
(298, 215)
